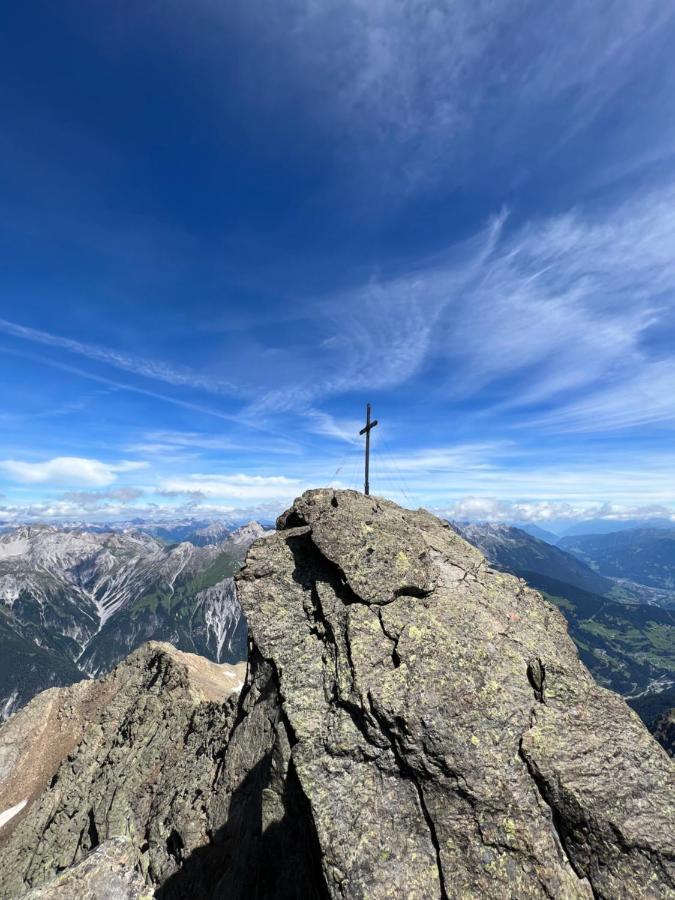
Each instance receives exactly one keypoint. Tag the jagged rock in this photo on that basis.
(436, 727)
(133, 754)
(246, 534)
(413, 725)
(664, 730)
(106, 874)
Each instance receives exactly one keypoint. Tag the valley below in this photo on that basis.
(73, 604)
(411, 721)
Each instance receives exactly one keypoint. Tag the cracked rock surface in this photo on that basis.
(442, 737)
(106, 874)
(412, 725)
(132, 756)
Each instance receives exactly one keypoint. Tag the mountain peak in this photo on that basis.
(450, 708)
(413, 723)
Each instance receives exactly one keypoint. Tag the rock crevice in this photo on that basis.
(412, 724)
(409, 685)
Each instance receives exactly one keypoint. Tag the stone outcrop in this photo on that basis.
(443, 733)
(413, 724)
(664, 730)
(107, 873)
(133, 754)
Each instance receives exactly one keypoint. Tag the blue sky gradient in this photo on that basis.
(224, 227)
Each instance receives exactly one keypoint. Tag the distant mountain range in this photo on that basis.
(555, 529)
(610, 526)
(644, 555)
(628, 646)
(199, 532)
(538, 532)
(514, 550)
(74, 603)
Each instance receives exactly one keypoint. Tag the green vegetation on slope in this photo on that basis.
(170, 614)
(26, 668)
(645, 555)
(628, 647)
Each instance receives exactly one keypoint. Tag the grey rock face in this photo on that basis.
(446, 738)
(132, 755)
(106, 874)
(413, 724)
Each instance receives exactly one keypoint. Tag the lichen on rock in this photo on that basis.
(447, 738)
(132, 755)
(413, 724)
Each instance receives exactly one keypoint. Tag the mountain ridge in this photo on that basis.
(75, 603)
(412, 723)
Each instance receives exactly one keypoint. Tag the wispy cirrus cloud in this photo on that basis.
(379, 335)
(646, 396)
(561, 316)
(566, 303)
(130, 388)
(557, 314)
(417, 92)
(179, 376)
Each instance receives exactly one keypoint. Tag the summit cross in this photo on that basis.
(366, 430)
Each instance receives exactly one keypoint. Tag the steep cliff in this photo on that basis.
(413, 724)
(132, 755)
(446, 736)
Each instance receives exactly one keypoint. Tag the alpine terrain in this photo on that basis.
(645, 555)
(413, 723)
(74, 603)
(628, 646)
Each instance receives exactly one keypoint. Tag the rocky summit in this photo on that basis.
(413, 724)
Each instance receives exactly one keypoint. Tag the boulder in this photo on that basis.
(444, 737)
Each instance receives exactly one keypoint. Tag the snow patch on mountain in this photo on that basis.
(9, 814)
(10, 548)
(222, 613)
(8, 705)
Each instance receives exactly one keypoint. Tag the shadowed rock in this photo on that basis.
(133, 754)
(444, 732)
(413, 724)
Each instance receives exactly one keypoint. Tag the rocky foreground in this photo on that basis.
(413, 724)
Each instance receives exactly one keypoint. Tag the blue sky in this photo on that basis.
(224, 227)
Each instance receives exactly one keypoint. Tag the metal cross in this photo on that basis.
(366, 431)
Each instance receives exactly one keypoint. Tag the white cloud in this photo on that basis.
(67, 470)
(234, 488)
(491, 509)
(101, 499)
